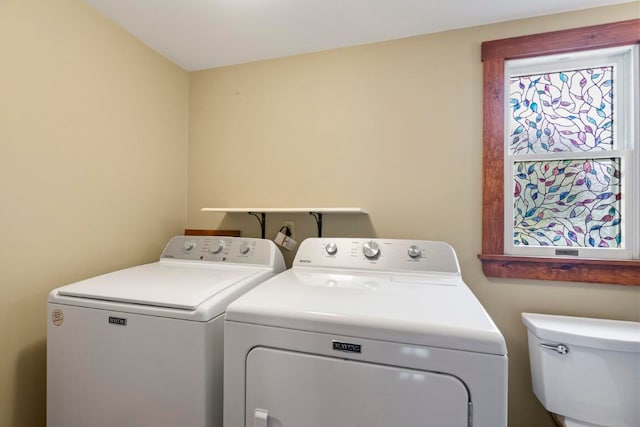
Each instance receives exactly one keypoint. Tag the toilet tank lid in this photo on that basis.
(616, 335)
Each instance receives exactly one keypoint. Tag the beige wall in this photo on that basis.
(93, 135)
(395, 128)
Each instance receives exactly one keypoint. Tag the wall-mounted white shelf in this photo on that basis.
(316, 213)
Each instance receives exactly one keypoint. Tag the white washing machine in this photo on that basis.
(364, 333)
(143, 346)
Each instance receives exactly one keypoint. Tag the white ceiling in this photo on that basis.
(199, 34)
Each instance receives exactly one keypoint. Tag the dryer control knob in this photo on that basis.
(244, 248)
(414, 251)
(216, 246)
(371, 250)
(189, 244)
(331, 248)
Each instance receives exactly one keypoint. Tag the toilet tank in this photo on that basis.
(597, 379)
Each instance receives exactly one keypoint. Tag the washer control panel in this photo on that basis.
(238, 250)
(378, 254)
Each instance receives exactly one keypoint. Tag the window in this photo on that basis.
(569, 154)
(561, 155)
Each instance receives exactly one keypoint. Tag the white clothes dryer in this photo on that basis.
(143, 346)
(364, 333)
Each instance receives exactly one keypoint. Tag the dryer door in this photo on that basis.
(289, 389)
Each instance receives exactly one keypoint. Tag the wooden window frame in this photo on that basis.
(495, 263)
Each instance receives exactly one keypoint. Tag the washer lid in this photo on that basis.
(435, 310)
(180, 285)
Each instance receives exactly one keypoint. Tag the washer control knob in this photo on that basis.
(371, 250)
(414, 251)
(244, 248)
(331, 248)
(189, 244)
(216, 246)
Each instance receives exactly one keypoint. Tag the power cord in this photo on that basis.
(285, 230)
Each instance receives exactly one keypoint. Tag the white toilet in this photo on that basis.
(586, 371)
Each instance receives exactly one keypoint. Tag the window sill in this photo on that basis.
(614, 272)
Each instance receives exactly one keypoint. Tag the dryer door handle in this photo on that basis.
(261, 418)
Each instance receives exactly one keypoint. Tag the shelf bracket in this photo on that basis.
(318, 217)
(262, 220)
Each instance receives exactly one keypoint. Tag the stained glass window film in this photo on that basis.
(564, 111)
(575, 203)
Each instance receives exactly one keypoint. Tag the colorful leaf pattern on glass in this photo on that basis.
(567, 203)
(568, 111)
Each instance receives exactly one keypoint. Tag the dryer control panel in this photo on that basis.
(239, 250)
(378, 254)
